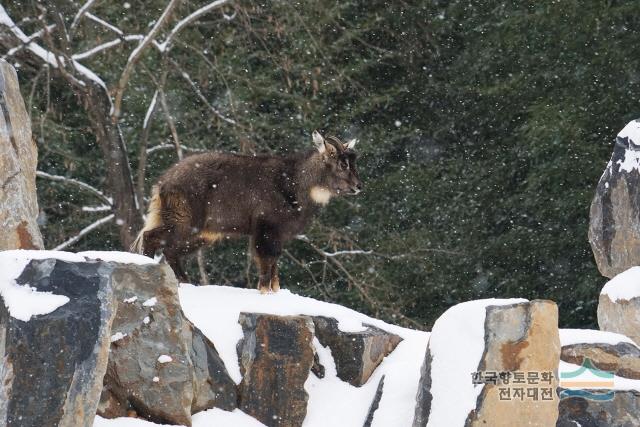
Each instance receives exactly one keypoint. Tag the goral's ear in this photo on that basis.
(351, 144)
(318, 141)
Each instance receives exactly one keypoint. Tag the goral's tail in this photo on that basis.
(152, 221)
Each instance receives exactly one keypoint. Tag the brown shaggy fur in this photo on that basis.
(209, 196)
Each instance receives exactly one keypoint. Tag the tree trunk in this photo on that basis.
(119, 179)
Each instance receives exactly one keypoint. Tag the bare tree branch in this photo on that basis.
(189, 19)
(165, 147)
(104, 46)
(170, 123)
(85, 7)
(84, 232)
(135, 56)
(142, 151)
(198, 92)
(84, 186)
(105, 24)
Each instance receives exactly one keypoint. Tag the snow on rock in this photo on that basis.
(631, 134)
(607, 351)
(624, 286)
(456, 346)
(48, 378)
(591, 336)
(23, 301)
(494, 335)
(615, 214)
(117, 336)
(212, 417)
(619, 305)
(166, 345)
(216, 309)
(150, 302)
(164, 359)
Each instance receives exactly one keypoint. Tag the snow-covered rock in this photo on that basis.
(605, 350)
(162, 369)
(54, 339)
(623, 410)
(276, 356)
(216, 309)
(18, 160)
(617, 405)
(614, 228)
(619, 305)
(356, 354)
(83, 312)
(481, 339)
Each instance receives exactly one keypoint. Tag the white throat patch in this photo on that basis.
(320, 195)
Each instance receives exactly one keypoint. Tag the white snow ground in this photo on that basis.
(211, 418)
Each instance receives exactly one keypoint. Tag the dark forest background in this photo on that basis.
(483, 125)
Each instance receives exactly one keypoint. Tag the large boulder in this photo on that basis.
(160, 367)
(55, 330)
(605, 350)
(619, 305)
(356, 354)
(491, 362)
(622, 410)
(276, 355)
(18, 160)
(614, 228)
(585, 351)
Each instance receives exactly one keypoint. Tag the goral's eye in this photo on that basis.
(343, 165)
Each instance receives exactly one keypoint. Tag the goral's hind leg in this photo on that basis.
(275, 279)
(267, 247)
(175, 262)
(264, 265)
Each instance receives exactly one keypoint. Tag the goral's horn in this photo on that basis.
(335, 142)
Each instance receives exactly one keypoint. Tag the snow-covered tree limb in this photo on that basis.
(32, 37)
(352, 252)
(105, 24)
(189, 19)
(164, 147)
(104, 46)
(86, 187)
(84, 232)
(83, 10)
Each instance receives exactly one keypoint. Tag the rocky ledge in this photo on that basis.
(114, 334)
